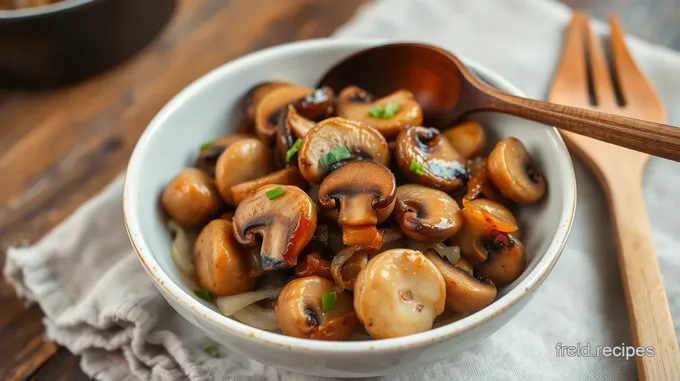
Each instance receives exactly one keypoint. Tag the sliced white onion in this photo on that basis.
(451, 253)
(258, 317)
(181, 248)
(229, 305)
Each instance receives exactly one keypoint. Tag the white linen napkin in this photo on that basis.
(99, 303)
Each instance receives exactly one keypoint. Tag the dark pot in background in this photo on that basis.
(69, 41)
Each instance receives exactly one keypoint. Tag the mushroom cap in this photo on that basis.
(285, 223)
(299, 310)
(286, 176)
(352, 104)
(400, 292)
(361, 140)
(191, 198)
(317, 105)
(268, 110)
(220, 266)
(468, 138)
(291, 127)
(244, 160)
(506, 258)
(358, 189)
(425, 214)
(207, 157)
(442, 164)
(464, 293)
(514, 172)
(255, 95)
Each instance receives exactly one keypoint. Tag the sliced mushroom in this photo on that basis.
(363, 193)
(362, 141)
(426, 214)
(285, 223)
(244, 160)
(353, 104)
(220, 266)
(291, 127)
(479, 183)
(255, 95)
(399, 293)
(514, 172)
(269, 109)
(209, 153)
(464, 293)
(286, 176)
(347, 264)
(191, 198)
(467, 138)
(465, 265)
(506, 258)
(300, 310)
(423, 148)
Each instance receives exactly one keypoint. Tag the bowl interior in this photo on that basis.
(211, 107)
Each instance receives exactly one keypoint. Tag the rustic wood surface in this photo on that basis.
(59, 148)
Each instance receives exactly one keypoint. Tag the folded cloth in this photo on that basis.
(99, 303)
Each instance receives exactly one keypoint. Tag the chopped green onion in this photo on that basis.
(334, 156)
(293, 150)
(388, 111)
(211, 350)
(328, 301)
(203, 294)
(206, 146)
(274, 193)
(416, 168)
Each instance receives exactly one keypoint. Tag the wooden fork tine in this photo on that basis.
(634, 87)
(571, 77)
(605, 98)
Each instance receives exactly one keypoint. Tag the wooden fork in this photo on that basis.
(584, 79)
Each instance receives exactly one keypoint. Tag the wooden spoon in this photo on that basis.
(447, 91)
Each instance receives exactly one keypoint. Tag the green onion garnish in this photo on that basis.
(388, 111)
(328, 301)
(274, 193)
(416, 168)
(206, 146)
(211, 350)
(334, 156)
(293, 150)
(203, 294)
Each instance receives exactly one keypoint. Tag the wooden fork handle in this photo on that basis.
(652, 138)
(648, 312)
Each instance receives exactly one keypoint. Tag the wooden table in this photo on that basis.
(59, 148)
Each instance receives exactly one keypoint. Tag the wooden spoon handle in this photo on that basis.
(653, 138)
(648, 312)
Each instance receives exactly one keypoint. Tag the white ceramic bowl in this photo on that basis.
(210, 107)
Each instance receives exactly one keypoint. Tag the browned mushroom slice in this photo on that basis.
(255, 95)
(244, 160)
(358, 190)
(428, 159)
(464, 293)
(334, 134)
(211, 151)
(465, 265)
(467, 138)
(268, 111)
(426, 214)
(191, 198)
(291, 127)
(300, 310)
(286, 176)
(283, 216)
(506, 258)
(514, 172)
(220, 266)
(389, 114)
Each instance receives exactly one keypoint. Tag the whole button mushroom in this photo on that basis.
(268, 110)
(244, 160)
(191, 198)
(283, 216)
(428, 159)
(389, 114)
(464, 293)
(315, 308)
(363, 193)
(221, 268)
(425, 214)
(211, 151)
(506, 258)
(514, 172)
(467, 138)
(399, 293)
(335, 140)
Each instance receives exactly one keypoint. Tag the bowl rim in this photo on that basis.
(271, 339)
(42, 10)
